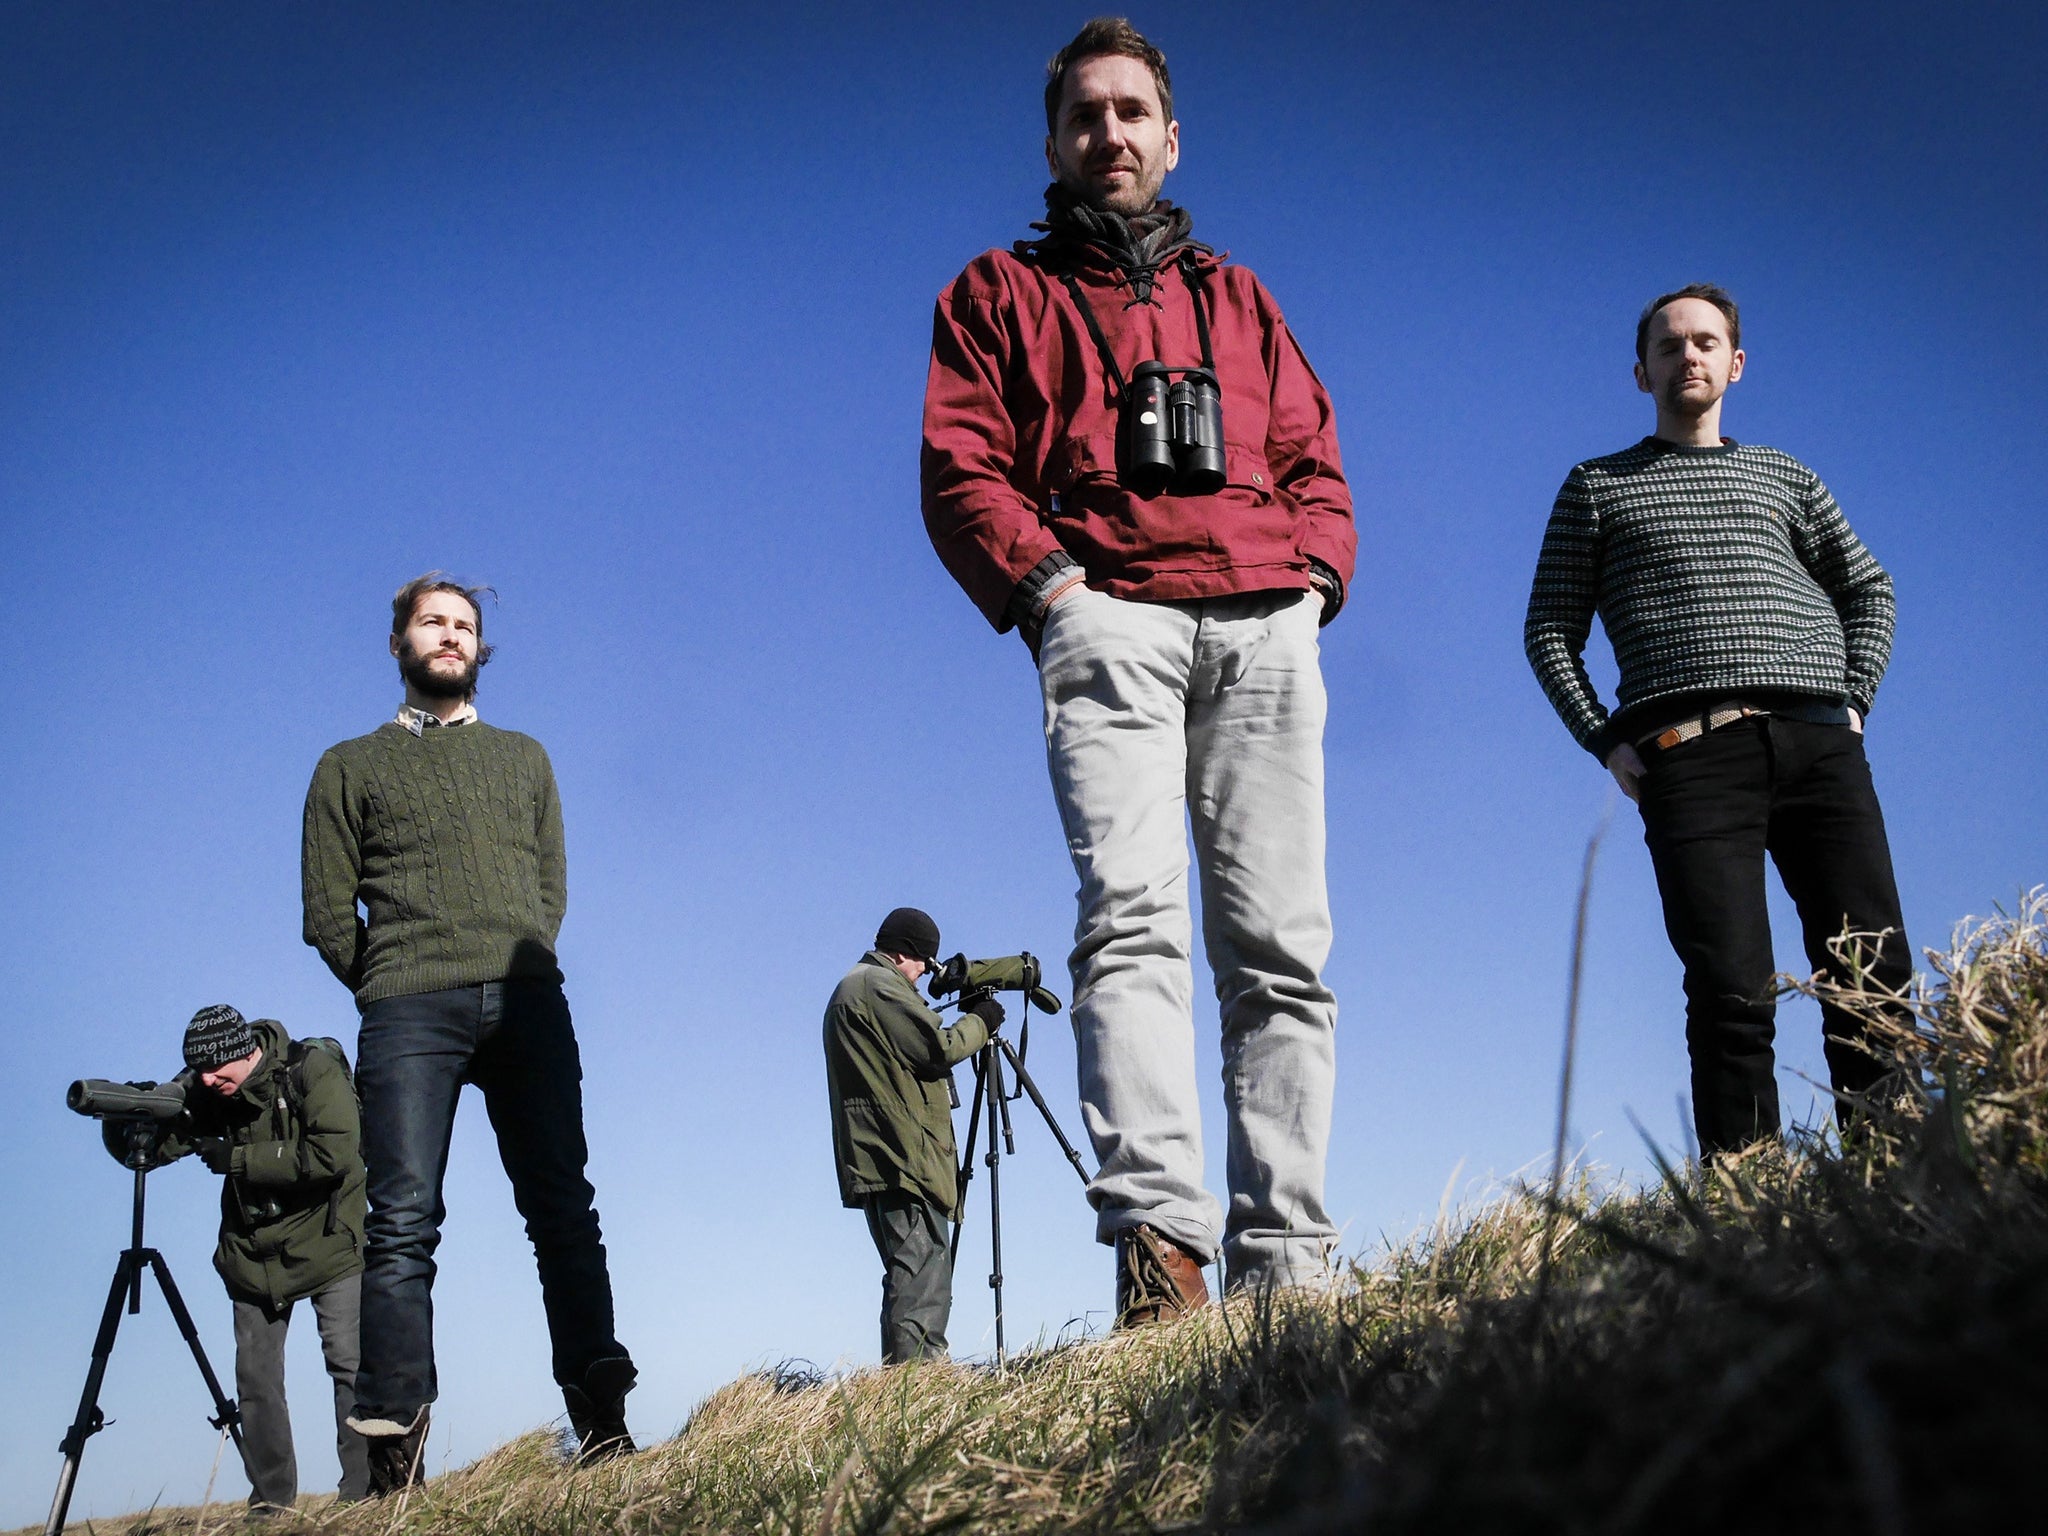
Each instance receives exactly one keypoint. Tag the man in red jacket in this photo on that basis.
(1167, 543)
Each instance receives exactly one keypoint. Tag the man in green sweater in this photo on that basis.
(447, 833)
(888, 1061)
(1751, 628)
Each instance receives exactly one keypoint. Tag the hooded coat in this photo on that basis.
(888, 1059)
(292, 1204)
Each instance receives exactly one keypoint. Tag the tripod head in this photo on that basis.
(134, 1117)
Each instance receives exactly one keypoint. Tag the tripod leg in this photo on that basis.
(1003, 1103)
(995, 1192)
(90, 1421)
(1045, 1110)
(967, 1162)
(227, 1413)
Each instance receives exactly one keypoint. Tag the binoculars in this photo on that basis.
(1170, 436)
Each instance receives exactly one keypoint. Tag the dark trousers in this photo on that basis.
(1712, 808)
(917, 1275)
(272, 1464)
(513, 1039)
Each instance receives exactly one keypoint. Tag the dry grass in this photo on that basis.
(1825, 1336)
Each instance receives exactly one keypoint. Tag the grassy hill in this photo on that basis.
(1821, 1338)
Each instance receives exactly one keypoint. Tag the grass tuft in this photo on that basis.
(1839, 1333)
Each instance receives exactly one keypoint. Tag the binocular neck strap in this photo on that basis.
(1109, 363)
(1116, 374)
(1195, 293)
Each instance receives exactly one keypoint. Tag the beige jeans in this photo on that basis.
(1161, 718)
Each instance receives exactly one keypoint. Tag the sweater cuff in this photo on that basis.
(1333, 597)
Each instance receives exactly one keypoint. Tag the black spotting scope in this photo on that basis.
(979, 978)
(104, 1099)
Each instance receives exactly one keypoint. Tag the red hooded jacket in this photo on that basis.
(1020, 433)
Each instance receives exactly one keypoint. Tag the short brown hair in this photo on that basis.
(1713, 293)
(408, 598)
(1102, 36)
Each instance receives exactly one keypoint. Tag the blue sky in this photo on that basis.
(624, 310)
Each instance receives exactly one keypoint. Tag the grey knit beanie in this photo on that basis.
(217, 1034)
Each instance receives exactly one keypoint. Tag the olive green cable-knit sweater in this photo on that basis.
(452, 842)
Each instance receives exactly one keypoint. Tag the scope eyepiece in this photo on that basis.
(947, 977)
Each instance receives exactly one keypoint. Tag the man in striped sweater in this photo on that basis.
(448, 833)
(1751, 627)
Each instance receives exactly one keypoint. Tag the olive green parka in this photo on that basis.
(888, 1059)
(292, 1204)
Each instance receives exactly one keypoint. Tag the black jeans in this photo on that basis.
(1712, 808)
(917, 1275)
(513, 1039)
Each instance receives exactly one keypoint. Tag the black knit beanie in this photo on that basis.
(907, 931)
(216, 1035)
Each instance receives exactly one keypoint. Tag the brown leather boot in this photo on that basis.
(1156, 1278)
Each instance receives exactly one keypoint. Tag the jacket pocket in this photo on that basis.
(882, 1135)
(1245, 473)
(1084, 458)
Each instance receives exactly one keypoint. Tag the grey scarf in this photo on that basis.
(1138, 246)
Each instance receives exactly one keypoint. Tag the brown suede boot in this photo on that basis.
(1156, 1278)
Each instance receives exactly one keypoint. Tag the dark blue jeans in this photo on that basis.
(1713, 807)
(513, 1039)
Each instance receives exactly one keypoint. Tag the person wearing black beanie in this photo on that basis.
(888, 1065)
(907, 931)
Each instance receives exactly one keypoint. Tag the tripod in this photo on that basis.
(989, 1090)
(128, 1283)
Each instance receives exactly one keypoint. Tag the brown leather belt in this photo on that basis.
(1697, 725)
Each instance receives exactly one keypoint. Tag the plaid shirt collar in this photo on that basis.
(420, 721)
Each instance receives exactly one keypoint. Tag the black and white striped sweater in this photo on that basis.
(1717, 573)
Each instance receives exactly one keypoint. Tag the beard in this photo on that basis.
(1136, 197)
(417, 670)
(1675, 400)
